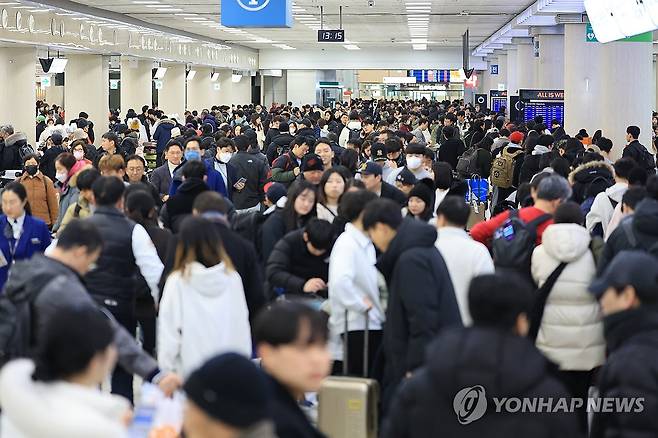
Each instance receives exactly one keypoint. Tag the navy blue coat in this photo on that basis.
(214, 179)
(35, 238)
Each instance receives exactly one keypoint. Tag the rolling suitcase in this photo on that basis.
(348, 405)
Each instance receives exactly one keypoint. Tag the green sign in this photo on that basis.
(646, 37)
(329, 84)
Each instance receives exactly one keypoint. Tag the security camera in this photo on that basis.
(371, 3)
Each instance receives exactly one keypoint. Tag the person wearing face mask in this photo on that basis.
(41, 193)
(22, 234)
(228, 172)
(65, 183)
(414, 156)
(194, 152)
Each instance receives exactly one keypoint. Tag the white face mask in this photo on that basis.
(79, 155)
(61, 177)
(414, 162)
(225, 157)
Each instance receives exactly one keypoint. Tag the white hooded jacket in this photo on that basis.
(203, 313)
(571, 332)
(602, 209)
(345, 133)
(56, 410)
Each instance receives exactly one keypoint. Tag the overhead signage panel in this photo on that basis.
(257, 13)
(546, 103)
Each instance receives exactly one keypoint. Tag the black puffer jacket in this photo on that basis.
(290, 265)
(11, 158)
(505, 365)
(421, 299)
(587, 179)
(630, 372)
(180, 205)
(643, 226)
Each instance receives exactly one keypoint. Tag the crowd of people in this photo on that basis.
(455, 247)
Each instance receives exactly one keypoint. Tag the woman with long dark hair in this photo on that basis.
(300, 207)
(22, 234)
(203, 311)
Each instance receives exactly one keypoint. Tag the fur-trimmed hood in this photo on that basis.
(591, 167)
(15, 138)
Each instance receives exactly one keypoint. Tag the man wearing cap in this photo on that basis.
(312, 169)
(228, 397)
(371, 176)
(628, 293)
(47, 165)
(405, 181)
(415, 153)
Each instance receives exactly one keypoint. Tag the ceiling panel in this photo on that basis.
(368, 27)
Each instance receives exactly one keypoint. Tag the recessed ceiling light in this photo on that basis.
(186, 15)
(169, 10)
(352, 47)
(146, 2)
(419, 46)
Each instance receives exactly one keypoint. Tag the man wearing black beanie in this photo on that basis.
(228, 397)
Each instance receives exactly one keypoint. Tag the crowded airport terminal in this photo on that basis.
(328, 219)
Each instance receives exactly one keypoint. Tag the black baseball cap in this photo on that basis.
(378, 152)
(406, 177)
(311, 162)
(371, 168)
(630, 268)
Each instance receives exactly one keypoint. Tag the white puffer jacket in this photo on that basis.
(571, 332)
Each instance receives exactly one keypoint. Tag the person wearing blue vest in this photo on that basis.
(193, 152)
(22, 234)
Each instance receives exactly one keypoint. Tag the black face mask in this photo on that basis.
(31, 170)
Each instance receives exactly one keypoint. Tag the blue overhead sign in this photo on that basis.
(257, 13)
(494, 69)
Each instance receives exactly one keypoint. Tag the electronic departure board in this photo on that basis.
(430, 76)
(546, 103)
(498, 99)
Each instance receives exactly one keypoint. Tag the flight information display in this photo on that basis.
(498, 99)
(430, 76)
(546, 103)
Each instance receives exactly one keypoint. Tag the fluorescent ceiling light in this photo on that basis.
(284, 46)
(169, 10)
(160, 72)
(419, 46)
(419, 40)
(352, 47)
(191, 74)
(146, 2)
(235, 78)
(9, 4)
(187, 14)
(158, 6)
(40, 10)
(214, 77)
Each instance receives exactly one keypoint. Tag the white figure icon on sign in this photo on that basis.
(253, 5)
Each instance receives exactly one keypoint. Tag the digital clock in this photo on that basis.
(331, 36)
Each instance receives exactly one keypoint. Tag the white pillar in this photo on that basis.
(512, 71)
(18, 93)
(525, 66)
(201, 93)
(86, 88)
(238, 93)
(606, 86)
(550, 64)
(301, 86)
(136, 84)
(171, 98)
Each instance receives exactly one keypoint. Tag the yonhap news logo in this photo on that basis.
(253, 5)
(470, 404)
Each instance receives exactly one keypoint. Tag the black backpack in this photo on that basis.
(514, 242)
(467, 164)
(648, 160)
(355, 134)
(24, 150)
(250, 226)
(17, 320)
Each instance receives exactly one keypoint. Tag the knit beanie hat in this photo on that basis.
(424, 192)
(230, 389)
